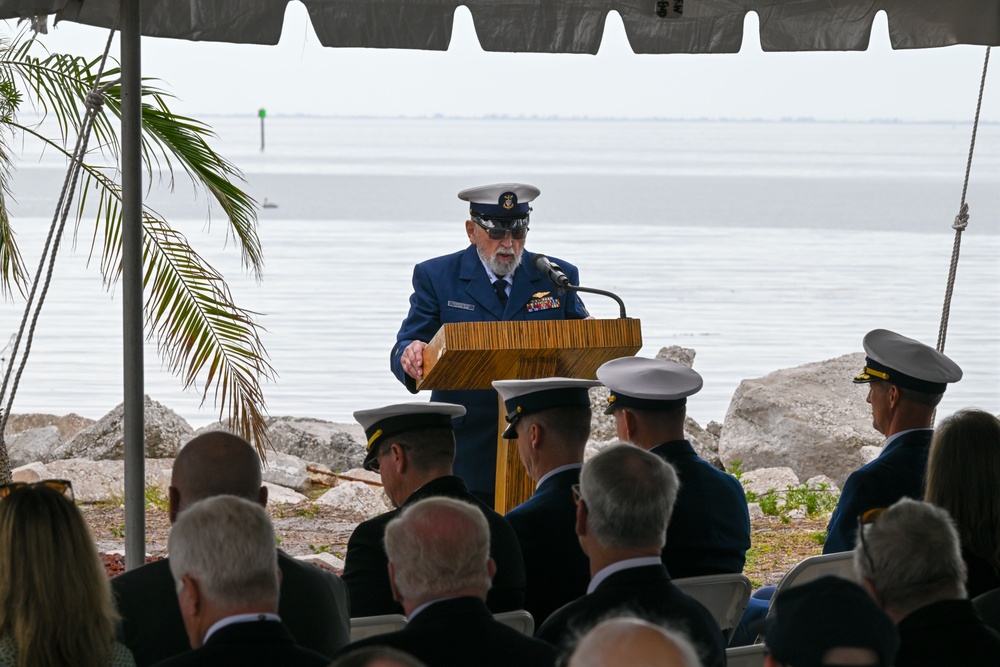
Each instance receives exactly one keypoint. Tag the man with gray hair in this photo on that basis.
(633, 642)
(626, 496)
(225, 568)
(440, 569)
(314, 602)
(909, 559)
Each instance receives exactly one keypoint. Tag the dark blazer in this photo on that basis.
(250, 644)
(313, 605)
(366, 565)
(946, 633)
(897, 472)
(455, 288)
(709, 530)
(460, 632)
(555, 567)
(645, 592)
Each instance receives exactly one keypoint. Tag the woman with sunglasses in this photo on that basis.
(55, 598)
(963, 477)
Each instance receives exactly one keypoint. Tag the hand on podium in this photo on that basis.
(412, 360)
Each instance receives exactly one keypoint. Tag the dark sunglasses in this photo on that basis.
(867, 517)
(576, 493)
(63, 486)
(496, 233)
(376, 465)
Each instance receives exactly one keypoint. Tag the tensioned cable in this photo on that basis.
(46, 264)
(962, 219)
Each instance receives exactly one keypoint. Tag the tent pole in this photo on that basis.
(132, 323)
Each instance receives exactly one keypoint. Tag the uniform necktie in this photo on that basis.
(501, 288)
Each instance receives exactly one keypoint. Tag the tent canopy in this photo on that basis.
(554, 26)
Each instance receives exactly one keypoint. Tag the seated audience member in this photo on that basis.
(313, 604)
(412, 446)
(908, 558)
(550, 422)
(906, 380)
(225, 568)
(626, 495)
(709, 530)
(440, 569)
(376, 656)
(55, 601)
(963, 477)
(633, 642)
(829, 621)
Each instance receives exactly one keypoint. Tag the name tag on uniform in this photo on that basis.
(463, 306)
(542, 301)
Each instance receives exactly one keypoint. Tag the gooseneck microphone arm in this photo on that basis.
(560, 279)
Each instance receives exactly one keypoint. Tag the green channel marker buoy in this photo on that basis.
(263, 114)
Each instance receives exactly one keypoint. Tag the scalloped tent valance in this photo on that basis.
(555, 26)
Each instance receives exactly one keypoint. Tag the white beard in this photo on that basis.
(500, 263)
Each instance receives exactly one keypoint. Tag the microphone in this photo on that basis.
(552, 271)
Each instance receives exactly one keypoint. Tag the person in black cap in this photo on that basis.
(412, 446)
(491, 280)
(906, 380)
(549, 419)
(709, 531)
(829, 621)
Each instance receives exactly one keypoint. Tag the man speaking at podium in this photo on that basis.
(493, 279)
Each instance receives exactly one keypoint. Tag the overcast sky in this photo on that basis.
(298, 76)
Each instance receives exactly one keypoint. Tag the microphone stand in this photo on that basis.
(593, 290)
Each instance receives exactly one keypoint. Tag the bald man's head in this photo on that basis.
(633, 642)
(214, 464)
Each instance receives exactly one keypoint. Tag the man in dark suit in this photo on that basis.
(709, 530)
(493, 279)
(550, 421)
(314, 602)
(910, 561)
(906, 380)
(412, 446)
(439, 570)
(626, 496)
(223, 562)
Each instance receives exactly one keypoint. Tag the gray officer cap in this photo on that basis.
(382, 423)
(522, 397)
(648, 384)
(906, 363)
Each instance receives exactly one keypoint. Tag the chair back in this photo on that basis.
(724, 595)
(366, 626)
(746, 656)
(520, 620)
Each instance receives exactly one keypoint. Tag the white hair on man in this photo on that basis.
(634, 642)
(439, 547)
(227, 545)
(911, 556)
(630, 496)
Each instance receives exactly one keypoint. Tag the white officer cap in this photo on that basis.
(648, 384)
(503, 205)
(906, 363)
(523, 397)
(382, 423)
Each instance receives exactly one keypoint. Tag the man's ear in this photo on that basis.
(399, 458)
(470, 230)
(174, 499)
(535, 435)
(491, 567)
(869, 586)
(581, 518)
(189, 599)
(392, 584)
(262, 496)
(893, 395)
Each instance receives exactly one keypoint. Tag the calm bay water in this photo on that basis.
(760, 245)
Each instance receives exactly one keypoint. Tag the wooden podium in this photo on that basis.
(471, 355)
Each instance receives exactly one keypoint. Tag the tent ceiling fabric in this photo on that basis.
(555, 26)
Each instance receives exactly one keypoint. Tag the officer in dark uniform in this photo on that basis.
(491, 280)
(709, 531)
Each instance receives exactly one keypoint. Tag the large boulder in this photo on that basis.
(34, 444)
(336, 446)
(67, 425)
(810, 418)
(704, 440)
(164, 431)
(99, 481)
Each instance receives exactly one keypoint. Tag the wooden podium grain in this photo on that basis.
(471, 355)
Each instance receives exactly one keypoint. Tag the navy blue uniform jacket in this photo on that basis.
(455, 288)
(555, 567)
(461, 632)
(897, 472)
(645, 592)
(366, 564)
(709, 531)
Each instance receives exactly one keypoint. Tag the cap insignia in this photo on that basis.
(508, 201)
(878, 374)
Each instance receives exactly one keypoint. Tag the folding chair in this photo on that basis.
(746, 656)
(520, 620)
(366, 626)
(724, 595)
